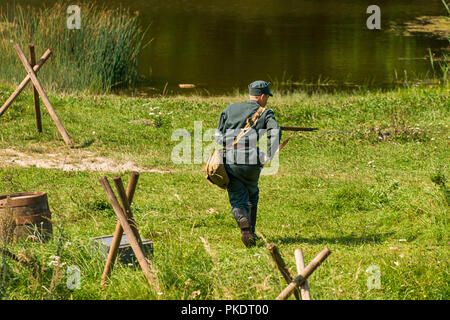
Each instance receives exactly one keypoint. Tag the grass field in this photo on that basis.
(370, 185)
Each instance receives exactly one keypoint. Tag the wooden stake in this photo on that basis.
(300, 279)
(44, 97)
(25, 81)
(143, 262)
(282, 267)
(118, 232)
(127, 209)
(37, 107)
(300, 262)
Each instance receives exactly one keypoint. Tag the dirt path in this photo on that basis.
(76, 160)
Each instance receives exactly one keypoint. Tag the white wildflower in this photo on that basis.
(55, 261)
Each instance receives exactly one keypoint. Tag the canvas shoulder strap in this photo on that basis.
(250, 123)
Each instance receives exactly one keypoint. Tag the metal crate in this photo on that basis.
(125, 254)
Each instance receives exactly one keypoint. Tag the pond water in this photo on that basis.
(221, 45)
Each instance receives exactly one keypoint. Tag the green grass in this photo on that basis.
(100, 56)
(371, 185)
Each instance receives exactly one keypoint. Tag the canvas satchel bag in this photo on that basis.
(214, 167)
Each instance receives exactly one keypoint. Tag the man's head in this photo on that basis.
(260, 92)
(262, 99)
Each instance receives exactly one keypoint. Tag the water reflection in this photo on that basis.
(220, 45)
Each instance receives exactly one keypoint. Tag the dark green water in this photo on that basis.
(220, 45)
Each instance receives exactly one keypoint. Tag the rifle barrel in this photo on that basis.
(298, 129)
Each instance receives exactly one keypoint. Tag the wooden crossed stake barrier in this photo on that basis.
(302, 273)
(32, 69)
(127, 224)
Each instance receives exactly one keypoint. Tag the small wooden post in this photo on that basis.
(127, 209)
(300, 262)
(44, 97)
(118, 232)
(300, 279)
(145, 264)
(37, 106)
(24, 82)
(282, 266)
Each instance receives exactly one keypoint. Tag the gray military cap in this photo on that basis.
(258, 88)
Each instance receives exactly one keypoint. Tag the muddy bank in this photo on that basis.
(435, 26)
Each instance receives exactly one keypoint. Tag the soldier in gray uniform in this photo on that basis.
(243, 161)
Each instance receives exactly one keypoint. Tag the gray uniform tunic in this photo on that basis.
(243, 163)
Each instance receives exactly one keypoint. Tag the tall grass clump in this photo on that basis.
(99, 57)
(446, 6)
(443, 64)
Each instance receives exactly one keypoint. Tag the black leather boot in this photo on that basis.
(253, 211)
(243, 222)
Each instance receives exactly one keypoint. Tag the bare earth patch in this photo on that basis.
(76, 160)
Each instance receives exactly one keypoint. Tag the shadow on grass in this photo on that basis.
(85, 144)
(346, 240)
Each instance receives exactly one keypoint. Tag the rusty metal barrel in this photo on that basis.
(29, 213)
